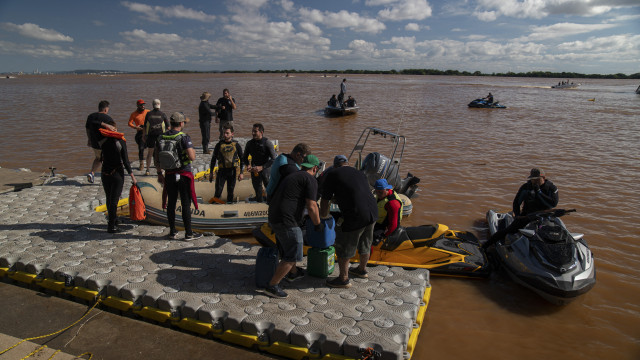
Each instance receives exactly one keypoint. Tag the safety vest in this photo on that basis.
(228, 155)
(382, 212)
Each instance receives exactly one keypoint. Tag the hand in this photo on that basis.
(161, 179)
(240, 177)
(133, 179)
(257, 169)
(211, 176)
(536, 187)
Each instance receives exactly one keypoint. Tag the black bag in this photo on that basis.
(266, 263)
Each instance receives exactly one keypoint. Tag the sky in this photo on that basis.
(583, 36)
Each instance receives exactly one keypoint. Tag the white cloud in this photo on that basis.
(310, 28)
(342, 19)
(36, 32)
(44, 51)
(406, 10)
(563, 29)
(489, 10)
(287, 5)
(412, 27)
(155, 13)
(154, 39)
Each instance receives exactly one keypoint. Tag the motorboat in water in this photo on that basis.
(212, 214)
(483, 103)
(544, 256)
(434, 247)
(566, 85)
(340, 111)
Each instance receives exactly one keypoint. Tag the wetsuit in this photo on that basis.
(227, 155)
(137, 119)
(225, 115)
(177, 184)
(262, 154)
(114, 161)
(155, 124)
(205, 112)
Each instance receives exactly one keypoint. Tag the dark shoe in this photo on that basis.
(113, 230)
(273, 291)
(90, 178)
(338, 283)
(193, 236)
(363, 274)
(297, 276)
(172, 235)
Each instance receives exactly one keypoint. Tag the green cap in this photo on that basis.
(310, 161)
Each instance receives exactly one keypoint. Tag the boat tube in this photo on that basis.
(482, 103)
(222, 219)
(340, 111)
(544, 256)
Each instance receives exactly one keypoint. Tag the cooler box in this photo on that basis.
(266, 263)
(321, 262)
(322, 239)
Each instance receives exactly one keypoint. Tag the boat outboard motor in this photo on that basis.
(376, 165)
(409, 185)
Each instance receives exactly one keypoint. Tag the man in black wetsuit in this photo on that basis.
(262, 156)
(95, 121)
(205, 112)
(537, 194)
(225, 106)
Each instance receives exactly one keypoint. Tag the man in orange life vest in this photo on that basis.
(389, 209)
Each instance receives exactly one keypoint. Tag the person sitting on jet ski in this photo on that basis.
(489, 98)
(537, 194)
(389, 209)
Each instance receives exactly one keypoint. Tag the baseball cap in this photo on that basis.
(140, 102)
(536, 173)
(310, 161)
(178, 117)
(339, 159)
(382, 184)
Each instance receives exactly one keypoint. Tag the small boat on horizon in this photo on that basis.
(566, 85)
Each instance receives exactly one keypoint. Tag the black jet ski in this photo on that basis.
(544, 256)
(483, 103)
(434, 247)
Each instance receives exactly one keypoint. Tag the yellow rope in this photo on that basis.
(53, 333)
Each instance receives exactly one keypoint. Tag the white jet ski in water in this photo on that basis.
(544, 256)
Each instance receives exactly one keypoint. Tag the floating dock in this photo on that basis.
(52, 240)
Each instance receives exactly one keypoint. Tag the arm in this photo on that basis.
(272, 155)
(132, 121)
(108, 126)
(548, 198)
(324, 208)
(232, 102)
(393, 209)
(239, 151)
(314, 214)
(517, 201)
(214, 159)
(125, 161)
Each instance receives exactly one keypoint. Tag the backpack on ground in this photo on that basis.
(170, 151)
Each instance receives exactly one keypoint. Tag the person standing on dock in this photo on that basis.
(205, 112)
(286, 209)
(95, 122)
(225, 105)
(136, 121)
(350, 189)
(228, 155)
(178, 181)
(284, 165)
(262, 155)
(115, 161)
(155, 124)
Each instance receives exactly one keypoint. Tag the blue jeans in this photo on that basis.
(290, 242)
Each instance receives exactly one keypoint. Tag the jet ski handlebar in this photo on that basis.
(547, 213)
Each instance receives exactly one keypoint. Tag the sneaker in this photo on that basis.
(297, 276)
(339, 283)
(363, 274)
(147, 173)
(172, 235)
(193, 236)
(113, 230)
(90, 178)
(273, 291)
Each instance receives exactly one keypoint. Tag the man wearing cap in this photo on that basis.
(389, 208)
(205, 112)
(155, 124)
(537, 194)
(179, 181)
(350, 189)
(286, 208)
(136, 121)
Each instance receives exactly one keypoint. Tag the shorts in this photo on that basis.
(97, 153)
(348, 242)
(289, 242)
(151, 140)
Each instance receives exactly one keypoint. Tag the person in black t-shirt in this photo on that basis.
(95, 121)
(262, 156)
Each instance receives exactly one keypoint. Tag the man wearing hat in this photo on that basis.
(537, 194)
(389, 208)
(350, 189)
(179, 181)
(286, 208)
(136, 121)
(205, 112)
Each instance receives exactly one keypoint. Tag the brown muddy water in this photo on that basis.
(469, 161)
